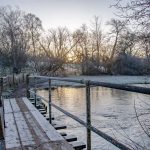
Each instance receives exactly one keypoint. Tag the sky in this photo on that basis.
(69, 13)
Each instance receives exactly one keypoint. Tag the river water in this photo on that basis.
(113, 112)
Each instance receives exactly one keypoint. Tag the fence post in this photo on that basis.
(35, 97)
(13, 82)
(49, 103)
(1, 90)
(88, 115)
(23, 77)
(27, 86)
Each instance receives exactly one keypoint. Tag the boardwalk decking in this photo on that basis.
(26, 129)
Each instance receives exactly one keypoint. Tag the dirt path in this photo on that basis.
(20, 91)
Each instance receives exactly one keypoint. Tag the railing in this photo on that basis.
(86, 124)
(10, 81)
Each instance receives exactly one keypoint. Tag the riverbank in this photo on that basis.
(106, 79)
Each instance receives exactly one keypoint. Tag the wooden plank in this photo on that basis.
(47, 117)
(31, 99)
(41, 109)
(43, 112)
(34, 131)
(33, 103)
(43, 142)
(70, 138)
(38, 106)
(14, 105)
(59, 127)
(78, 145)
(24, 132)
(37, 130)
(7, 106)
(63, 133)
(28, 104)
(11, 135)
(18, 126)
(48, 129)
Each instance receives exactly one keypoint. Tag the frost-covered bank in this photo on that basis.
(107, 79)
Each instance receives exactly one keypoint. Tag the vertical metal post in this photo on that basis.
(35, 91)
(1, 90)
(88, 115)
(23, 77)
(27, 86)
(49, 103)
(13, 79)
(19, 78)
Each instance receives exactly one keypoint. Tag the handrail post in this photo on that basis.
(88, 115)
(27, 86)
(13, 81)
(23, 77)
(1, 90)
(35, 97)
(49, 103)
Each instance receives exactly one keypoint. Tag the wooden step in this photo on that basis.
(39, 106)
(31, 99)
(32, 102)
(78, 145)
(59, 127)
(63, 134)
(43, 112)
(70, 138)
(47, 117)
(41, 109)
(38, 98)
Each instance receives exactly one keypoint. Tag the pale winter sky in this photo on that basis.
(69, 13)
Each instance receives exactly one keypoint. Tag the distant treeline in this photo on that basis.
(122, 50)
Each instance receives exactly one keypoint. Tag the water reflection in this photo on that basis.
(112, 112)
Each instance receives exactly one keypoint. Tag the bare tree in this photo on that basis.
(12, 41)
(83, 50)
(56, 46)
(137, 10)
(117, 27)
(137, 13)
(97, 37)
(33, 29)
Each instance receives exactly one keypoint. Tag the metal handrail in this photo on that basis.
(87, 124)
(92, 128)
(125, 87)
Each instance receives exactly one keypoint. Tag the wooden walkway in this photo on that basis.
(26, 129)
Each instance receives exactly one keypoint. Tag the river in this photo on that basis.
(113, 112)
